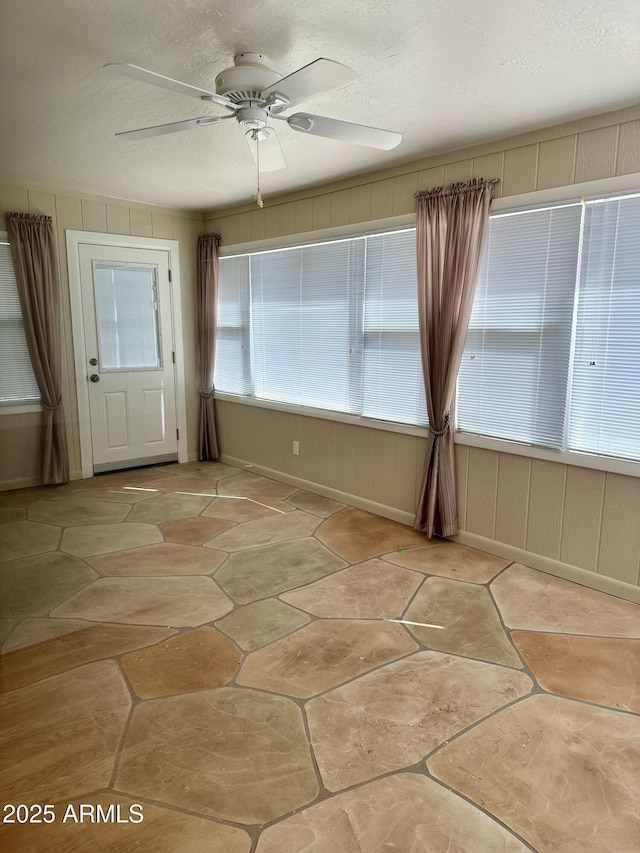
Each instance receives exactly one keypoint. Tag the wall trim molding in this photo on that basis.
(319, 489)
(601, 583)
(566, 571)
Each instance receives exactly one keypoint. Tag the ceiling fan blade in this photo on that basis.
(172, 127)
(321, 75)
(343, 131)
(271, 156)
(167, 83)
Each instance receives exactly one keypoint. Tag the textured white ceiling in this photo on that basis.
(445, 73)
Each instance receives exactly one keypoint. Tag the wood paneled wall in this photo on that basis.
(548, 514)
(591, 149)
(20, 433)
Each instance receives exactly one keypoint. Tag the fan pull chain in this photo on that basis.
(258, 195)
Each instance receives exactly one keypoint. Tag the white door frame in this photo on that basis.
(74, 240)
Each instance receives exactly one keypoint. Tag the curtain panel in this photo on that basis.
(451, 227)
(207, 282)
(35, 263)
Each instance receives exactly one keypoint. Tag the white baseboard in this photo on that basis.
(325, 491)
(29, 482)
(536, 561)
(19, 483)
(553, 567)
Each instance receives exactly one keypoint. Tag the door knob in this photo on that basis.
(94, 377)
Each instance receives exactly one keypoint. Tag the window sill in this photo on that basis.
(564, 457)
(21, 409)
(323, 414)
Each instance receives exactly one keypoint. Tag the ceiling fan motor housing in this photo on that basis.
(244, 82)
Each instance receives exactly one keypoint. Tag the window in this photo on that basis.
(604, 414)
(126, 300)
(17, 382)
(393, 386)
(515, 367)
(330, 326)
(552, 357)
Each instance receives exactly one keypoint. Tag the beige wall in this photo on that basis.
(577, 522)
(20, 433)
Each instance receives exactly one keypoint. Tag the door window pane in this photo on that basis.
(126, 316)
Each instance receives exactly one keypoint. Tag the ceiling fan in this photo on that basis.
(254, 93)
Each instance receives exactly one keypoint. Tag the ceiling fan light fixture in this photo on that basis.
(253, 118)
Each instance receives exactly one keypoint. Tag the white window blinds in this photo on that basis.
(331, 326)
(515, 367)
(393, 386)
(126, 300)
(304, 305)
(604, 413)
(17, 381)
(232, 364)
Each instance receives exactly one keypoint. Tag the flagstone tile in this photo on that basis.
(132, 477)
(258, 624)
(198, 485)
(238, 509)
(316, 504)
(114, 494)
(51, 657)
(193, 531)
(598, 669)
(255, 486)
(93, 539)
(394, 717)
(323, 654)
(450, 560)
(471, 625)
(161, 830)
(534, 601)
(357, 535)
(24, 538)
(70, 512)
(34, 630)
(182, 602)
(239, 755)
(405, 812)
(193, 660)
(32, 586)
(7, 626)
(165, 558)
(263, 531)
(572, 783)
(370, 590)
(168, 507)
(270, 569)
(9, 514)
(59, 737)
(209, 470)
(25, 497)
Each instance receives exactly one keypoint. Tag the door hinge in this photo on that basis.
(173, 356)
(177, 433)
(169, 275)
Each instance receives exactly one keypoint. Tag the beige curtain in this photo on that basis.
(208, 266)
(451, 227)
(33, 250)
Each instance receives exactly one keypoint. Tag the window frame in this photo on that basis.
(569, 193)
(19, 407)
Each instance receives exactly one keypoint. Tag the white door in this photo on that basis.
(126, 305)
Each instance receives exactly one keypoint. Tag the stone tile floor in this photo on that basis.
(264, 670)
